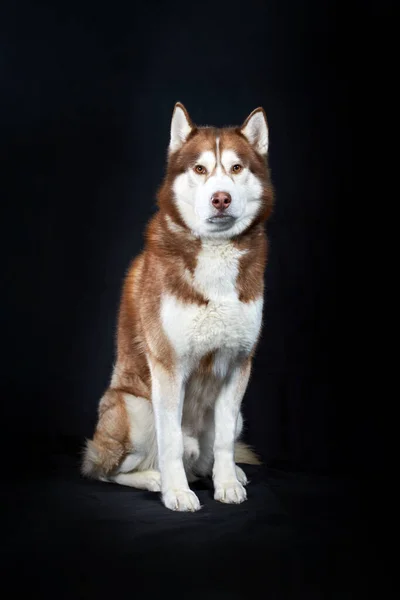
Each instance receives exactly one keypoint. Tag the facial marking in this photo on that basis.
(207, 159)
(218, 152)
(230, 158)
(218, 157)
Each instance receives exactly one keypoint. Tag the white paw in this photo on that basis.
(241, 475)
(230, 492)
(182, 500)
(154, 482)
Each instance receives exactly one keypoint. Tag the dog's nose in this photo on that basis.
(221, 200)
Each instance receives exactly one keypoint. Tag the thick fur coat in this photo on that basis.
(189, 321)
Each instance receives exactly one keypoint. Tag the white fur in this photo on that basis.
(256, 131)
(167, 397)
(180, 129)
(218, 153)
(208, 160)
(227, 488)
(225, 322)
(142, 480)
(194, 419)
(193, 193)
(192, 426)
(142, 434)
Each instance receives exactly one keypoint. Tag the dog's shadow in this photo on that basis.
(204, 483)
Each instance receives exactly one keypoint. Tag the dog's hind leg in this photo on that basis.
(142, 480)
(123, 449)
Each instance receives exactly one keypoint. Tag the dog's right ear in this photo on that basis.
(181, 126)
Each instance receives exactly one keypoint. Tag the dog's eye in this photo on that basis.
(200, 169)
(236, 168)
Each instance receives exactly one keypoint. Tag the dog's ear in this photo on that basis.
(181, 126)
(255, 129)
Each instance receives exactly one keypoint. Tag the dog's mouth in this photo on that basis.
(221, 219)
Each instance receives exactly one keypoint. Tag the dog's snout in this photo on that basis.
(221, 200)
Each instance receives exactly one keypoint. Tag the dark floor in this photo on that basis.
(64, 537)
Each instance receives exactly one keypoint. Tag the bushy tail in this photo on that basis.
(245, 454)
(100, 460)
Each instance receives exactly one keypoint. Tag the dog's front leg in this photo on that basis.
(167, 397)
(226, 485)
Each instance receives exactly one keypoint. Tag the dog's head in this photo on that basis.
(217, 182)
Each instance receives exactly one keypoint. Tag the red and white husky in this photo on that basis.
(189, 321)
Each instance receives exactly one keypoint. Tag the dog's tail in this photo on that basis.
(245, 454)
(103, 454)
(99, 459)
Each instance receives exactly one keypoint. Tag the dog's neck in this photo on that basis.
(178, 250)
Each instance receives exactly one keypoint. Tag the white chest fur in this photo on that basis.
(225, 324)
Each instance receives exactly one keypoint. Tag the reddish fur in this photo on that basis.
(166, 264)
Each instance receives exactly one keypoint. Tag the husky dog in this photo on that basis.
(189, 321)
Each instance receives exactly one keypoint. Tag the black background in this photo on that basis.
(87, 95)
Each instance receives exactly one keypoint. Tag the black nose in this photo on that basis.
(221, 200)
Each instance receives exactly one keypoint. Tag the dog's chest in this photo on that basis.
(225, 323)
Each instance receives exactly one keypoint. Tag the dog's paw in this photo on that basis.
(181, 500)
(241, 476)
(230, 492)
(154, 482)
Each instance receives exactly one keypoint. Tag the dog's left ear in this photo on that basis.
(255, 129)
(181, 126)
